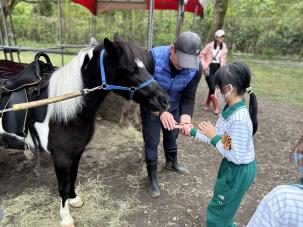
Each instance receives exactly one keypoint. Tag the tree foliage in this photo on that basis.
(265, 26)
(257, 26)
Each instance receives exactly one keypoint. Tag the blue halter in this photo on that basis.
(109, 87)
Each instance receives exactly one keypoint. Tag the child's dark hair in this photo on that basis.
(238, 75)
(216, 44)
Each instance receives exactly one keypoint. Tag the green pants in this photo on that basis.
(233, 181)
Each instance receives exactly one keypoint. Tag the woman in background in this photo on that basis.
(213, 56)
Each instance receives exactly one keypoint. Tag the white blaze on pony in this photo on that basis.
(139, 63)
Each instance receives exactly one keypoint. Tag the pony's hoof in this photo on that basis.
(76, 202)
(69, 225)
(67, 222)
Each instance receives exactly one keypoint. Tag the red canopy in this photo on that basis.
(89, 4)
(97, 6)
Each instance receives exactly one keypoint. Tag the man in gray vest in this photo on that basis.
(177, 69)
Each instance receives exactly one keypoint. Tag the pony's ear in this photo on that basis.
(117, 37)
(111, 48)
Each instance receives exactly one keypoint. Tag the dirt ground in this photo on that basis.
(112, 176)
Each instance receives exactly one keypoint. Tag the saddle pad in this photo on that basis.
(9, 69)
(26, 77)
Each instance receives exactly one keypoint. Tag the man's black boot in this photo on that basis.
(153, 189)
(172, 162)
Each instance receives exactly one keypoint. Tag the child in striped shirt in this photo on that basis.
(232, 136)
(283, 206)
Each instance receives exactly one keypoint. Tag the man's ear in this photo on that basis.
(172, 48)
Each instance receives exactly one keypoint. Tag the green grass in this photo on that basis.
(28, 57)
(278, 83)
(276, 80)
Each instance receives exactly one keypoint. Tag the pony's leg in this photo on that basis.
(75, 200)
(62, 163)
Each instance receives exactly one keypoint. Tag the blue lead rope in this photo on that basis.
(109, 87)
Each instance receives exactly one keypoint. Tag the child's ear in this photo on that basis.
(228, 88)
(232, 89)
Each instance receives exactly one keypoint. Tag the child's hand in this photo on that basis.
(207, 129)
(185, 128)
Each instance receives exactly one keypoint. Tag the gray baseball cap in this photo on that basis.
(188, 47)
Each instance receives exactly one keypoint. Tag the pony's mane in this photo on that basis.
(69, 79)
(66, 80)
(132, 51)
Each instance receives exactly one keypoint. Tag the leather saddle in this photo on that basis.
(21, 83)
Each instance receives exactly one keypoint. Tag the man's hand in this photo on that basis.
(168, 120)
(186, 125)
(207, 129)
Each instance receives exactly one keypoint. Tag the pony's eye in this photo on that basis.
(129, 70)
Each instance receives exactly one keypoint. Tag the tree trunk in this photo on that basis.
(7, 6)
(221, 7)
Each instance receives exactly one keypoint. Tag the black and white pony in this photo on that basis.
(69, 125)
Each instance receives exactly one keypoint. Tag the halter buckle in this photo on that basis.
(132, 89)
(103, 86)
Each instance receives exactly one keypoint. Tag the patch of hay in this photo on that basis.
(34, 207)
(39, 207)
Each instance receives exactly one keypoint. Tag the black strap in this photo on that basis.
(37, 64)
(214, 58)
(32, 130)
(35, 137)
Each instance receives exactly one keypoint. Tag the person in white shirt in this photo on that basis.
(283, 206)
(232, 136)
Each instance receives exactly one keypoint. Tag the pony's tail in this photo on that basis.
(253, 111)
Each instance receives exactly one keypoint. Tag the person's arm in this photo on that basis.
(194, 132)
(238, 140)
(189, 94)
(204, 55)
